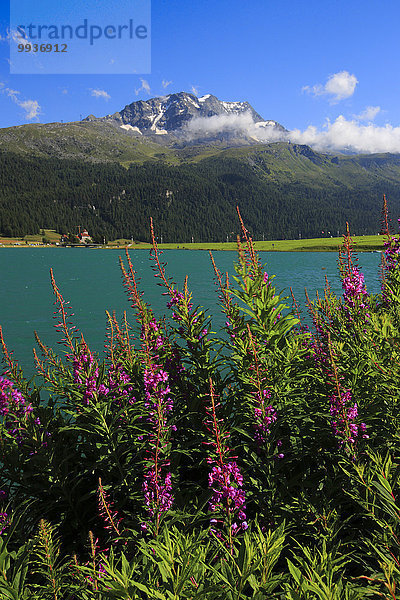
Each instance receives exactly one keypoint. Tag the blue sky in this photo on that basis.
(328, 71)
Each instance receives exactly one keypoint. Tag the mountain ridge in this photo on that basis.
(173, 113)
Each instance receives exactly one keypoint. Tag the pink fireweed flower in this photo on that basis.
(5, 522)
(157, 399)
(157, 485)
(157, 493)
(176, 299)
(85, 373)
(119, 385)
(392, 253)
(14, 409)
(390, 260)
(319, 345)
(264, 416)
(354, 291)
(344, 414)
(231, 328)
(151, 332)
(225, 479)
(226, 482)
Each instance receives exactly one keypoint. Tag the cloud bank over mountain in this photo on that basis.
(350, 135)
(341, 135)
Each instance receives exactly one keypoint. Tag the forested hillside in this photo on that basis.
(283, 191)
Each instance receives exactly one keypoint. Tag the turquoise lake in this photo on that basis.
(91, 281)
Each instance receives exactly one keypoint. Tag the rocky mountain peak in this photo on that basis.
(172, 113)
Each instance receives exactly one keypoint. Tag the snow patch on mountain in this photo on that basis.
(157, 119)
(130, 128)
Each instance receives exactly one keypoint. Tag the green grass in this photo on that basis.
(362, 243)
(120, 242)
(50, 234)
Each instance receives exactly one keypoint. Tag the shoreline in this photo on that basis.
(207, 249)
(372, 243)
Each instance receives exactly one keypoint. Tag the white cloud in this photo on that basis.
(239, 123)
(368, 114)
(15, 36)
(195, 90)
(145, 87)
(343, 134)
(31, 107)
(339, 86)
(165, 83)
(12, 93)
(100, 94)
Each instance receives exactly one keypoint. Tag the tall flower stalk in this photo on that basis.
(228, 499)
(157, 484)
(344, 411)
(354, 291)
(264, 413)
(109, 515)
(5, 519)
(158, 404)
(86, 372)
(390, 282)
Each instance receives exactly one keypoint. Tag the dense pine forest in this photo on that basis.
(193, 199)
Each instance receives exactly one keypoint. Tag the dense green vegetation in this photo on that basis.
(258, 462)
(284, 191)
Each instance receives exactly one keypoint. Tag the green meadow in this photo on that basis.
(362, 243)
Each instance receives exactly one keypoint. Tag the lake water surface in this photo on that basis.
(91, 281)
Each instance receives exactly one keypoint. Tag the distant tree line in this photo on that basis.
(190, 200)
